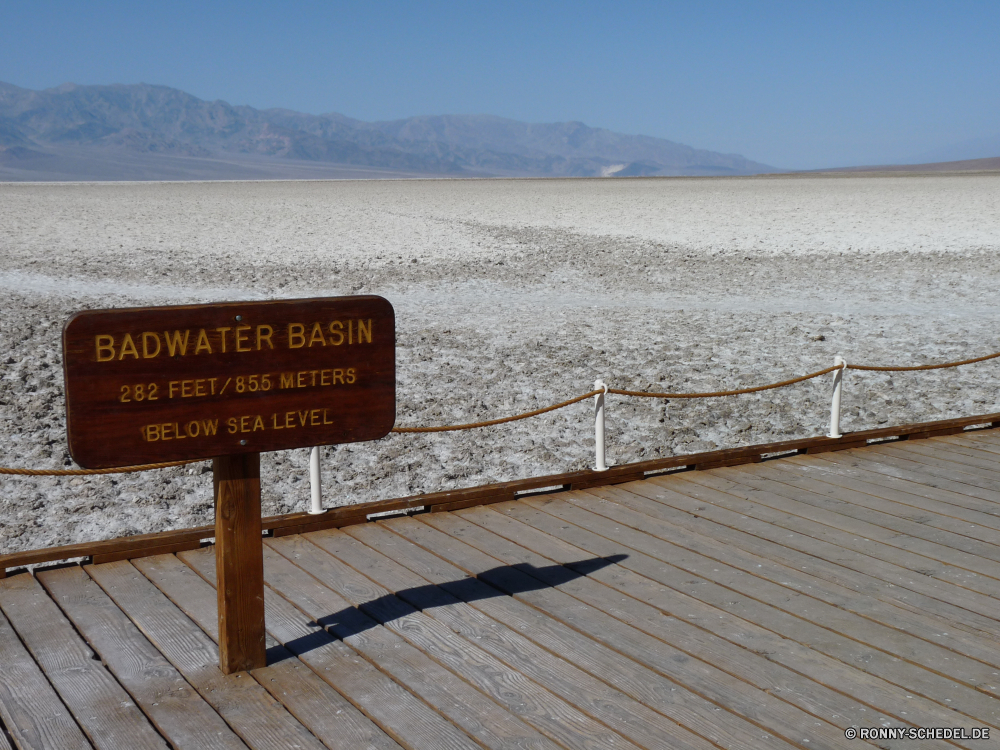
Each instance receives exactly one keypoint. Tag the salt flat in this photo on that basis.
(511, 294)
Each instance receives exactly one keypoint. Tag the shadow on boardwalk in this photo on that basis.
(512, 579)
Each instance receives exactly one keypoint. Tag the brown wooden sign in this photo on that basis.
(157, 384)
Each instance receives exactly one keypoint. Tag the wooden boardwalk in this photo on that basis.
(768, 604)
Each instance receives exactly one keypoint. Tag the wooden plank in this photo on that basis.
(962, 523)
(738, 627)
(929, 463)
(32, 712)
(105, 712)
(528, 648)
(457, 505)
(784, 586)
(163, 549)
(240, 561)
(950, 516)
(783, 566)
(833, 539)
(451, 697)
(986, 441)
(941, 453)
(532, 702)
(924, 434)
(776, 608)
(948, 476)
(871, 509)
(952, 445)
(649, 670)
(502, 533)
(813, 566)
(165, 697)
(316, 705)
(498, 533)
(965, 441)
(259, 720)
(413, 722)
(948, 502)
(706, 465)
(840, 446)
(319, 525)
(136, 543)
(881, 468)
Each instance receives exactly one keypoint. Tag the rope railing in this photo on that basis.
(85, 472)
(717, 394)
(502, 420)
(913, 368)
(598, 392)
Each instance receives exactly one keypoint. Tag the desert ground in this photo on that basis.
(510, 295)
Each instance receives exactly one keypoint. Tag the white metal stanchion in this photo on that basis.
(838, 382)
(599, 464)
(315, 482)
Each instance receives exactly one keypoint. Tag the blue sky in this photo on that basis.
(792, 84)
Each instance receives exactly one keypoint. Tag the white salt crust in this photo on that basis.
(509, 295)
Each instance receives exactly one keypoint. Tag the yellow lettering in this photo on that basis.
(324, 377)
(222, 336)
(261, 336)
(199, 389)
(165, 430)
(302, 417)
(105, 346)
(364, 332)
(128, 347)
(245, 423)
(325, 415)
(336, 333)
(210, 426)
(289, 419)
(296, 335)
(241, 338)
(314, 418)
(233, 426)
(186, 391)
(193, 429)
(146, 336)
(274, 422)
(288, 380)
(178, 433)
(151, 433)
(175, 344)
(202, 342)
(173, 387)
(299, 382)
(317, 335)
(350, 375)
(258, 423)
(338, 376)
(350, 332)
(313, 373)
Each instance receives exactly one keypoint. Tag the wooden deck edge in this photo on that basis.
(131, 547)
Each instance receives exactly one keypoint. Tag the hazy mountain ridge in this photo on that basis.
(75, 127)
(565, 139)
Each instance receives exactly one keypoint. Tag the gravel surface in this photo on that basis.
(510, 295)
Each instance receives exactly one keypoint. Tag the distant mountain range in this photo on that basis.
(989, 164)
(154, 132)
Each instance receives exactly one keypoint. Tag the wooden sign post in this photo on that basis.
(239, 562)
(227, 382)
